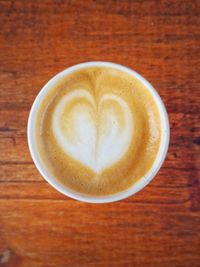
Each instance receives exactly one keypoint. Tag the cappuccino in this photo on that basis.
(98, 130)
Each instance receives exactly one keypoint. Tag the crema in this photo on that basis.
(98, 130)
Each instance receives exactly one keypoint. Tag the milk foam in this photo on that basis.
(96, 133)
(98, 130)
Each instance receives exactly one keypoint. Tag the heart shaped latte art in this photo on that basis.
(95, 133)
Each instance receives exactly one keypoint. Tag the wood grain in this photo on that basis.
(160, 226)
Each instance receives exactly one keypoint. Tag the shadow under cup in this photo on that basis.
(143, 181)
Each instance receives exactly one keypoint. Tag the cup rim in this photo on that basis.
(143, 181)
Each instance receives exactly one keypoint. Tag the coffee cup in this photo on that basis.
(112, 105)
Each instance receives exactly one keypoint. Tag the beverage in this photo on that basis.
(98, 130)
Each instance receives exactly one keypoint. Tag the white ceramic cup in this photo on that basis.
(120, 195)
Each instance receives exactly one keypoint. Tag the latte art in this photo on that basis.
(98, 130)
(96, 134)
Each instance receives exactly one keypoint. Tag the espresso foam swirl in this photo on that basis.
(95, 134)
(98, 130)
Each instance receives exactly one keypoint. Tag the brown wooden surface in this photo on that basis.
(160, 226)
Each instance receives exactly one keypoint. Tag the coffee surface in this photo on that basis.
(98, 130)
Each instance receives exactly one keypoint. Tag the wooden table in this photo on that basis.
(160, 226)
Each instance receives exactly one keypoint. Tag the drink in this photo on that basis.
(98, 130)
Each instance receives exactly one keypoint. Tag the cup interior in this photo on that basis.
(120, 195)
